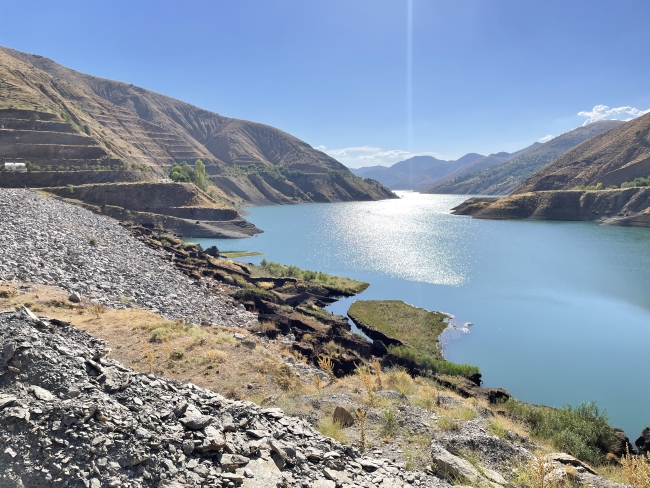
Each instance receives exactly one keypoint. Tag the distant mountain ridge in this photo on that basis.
(420, 172)
(415, 172)
(503, 178)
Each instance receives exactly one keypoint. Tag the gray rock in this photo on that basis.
(7, 400)
(196, 422)
(458, 468)
(188, 446)
(74, 298)
(233, 460)
(323, 484)
(42, 394)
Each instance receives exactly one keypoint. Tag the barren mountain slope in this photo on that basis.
(61, 120)
(504, 178)
(611, 158)
(231, 141)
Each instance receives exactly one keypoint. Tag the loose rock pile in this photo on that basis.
(71, 416)
(47, 241)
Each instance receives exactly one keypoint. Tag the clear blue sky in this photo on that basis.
(486, 75)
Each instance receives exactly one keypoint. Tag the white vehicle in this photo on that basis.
(20, 167)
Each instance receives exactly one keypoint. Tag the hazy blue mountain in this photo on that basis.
(415, 172)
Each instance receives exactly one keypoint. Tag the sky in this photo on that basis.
(367, 81)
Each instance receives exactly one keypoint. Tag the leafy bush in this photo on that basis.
(92, 241)
(185, 173)
(582, 431)
(636, 182)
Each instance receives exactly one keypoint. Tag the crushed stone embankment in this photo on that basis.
(47, 241)
(71, 416)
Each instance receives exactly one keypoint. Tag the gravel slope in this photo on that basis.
(46, 241)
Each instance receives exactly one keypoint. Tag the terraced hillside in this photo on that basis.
(181, 208)
(77, 121)
(47, 141)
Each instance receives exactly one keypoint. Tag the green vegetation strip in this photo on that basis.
(335, 284)
(416, 327)
(637, 182)
(582, 431)
(238, 254)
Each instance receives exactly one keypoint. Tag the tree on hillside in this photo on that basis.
(182, 172)
(185, 173)
(200, 179)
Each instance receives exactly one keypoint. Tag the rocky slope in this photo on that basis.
(72, 415)
(611, 158)
(504, 178)
(47, 241)
(58, 117)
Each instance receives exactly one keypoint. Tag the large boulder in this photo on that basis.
(643, 442)
(621, 445)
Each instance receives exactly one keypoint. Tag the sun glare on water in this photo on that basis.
(404, 239)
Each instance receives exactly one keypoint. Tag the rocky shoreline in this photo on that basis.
(622, 207)
(71, 415)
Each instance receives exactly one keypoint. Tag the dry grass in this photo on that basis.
(366, 378)
(330, 428)
(207, 356)
(399, 380)
(500, 426)
(636, 470)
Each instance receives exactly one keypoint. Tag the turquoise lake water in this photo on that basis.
(561, 310)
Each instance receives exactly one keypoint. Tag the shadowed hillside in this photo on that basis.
(614, 157)
(504, 178)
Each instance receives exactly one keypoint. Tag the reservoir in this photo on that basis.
(561, 310)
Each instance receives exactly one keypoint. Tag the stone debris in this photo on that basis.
(47, 241)
(71, 416)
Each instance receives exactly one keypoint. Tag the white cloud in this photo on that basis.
(361, 156)
(603, 112)
(546, 138)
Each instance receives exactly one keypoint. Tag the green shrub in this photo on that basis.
(69, 189)
(335, 284)
(582, 431)
(434, 365)
(248, 294)
(92, 241)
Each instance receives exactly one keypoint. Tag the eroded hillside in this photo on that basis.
(62, 120)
